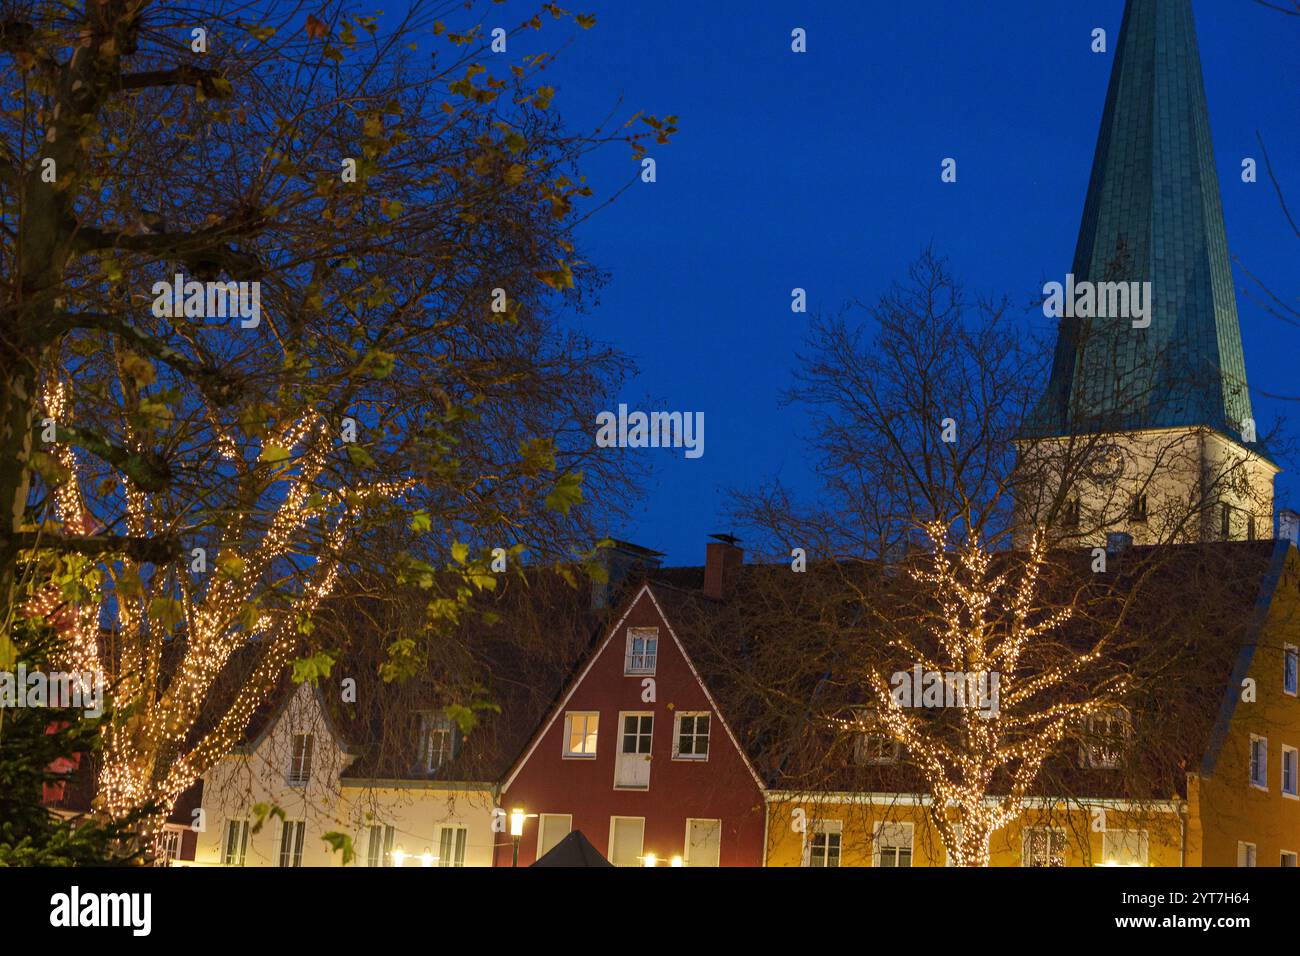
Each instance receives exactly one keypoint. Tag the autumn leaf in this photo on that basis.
(316, 28)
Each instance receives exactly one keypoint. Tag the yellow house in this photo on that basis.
(1238, 799)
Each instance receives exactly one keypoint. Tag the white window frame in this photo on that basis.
(299, 830)
(1291, 653)
(541, 828)
(1285, 854)
(864, 754)
(227, 859)
(1141, 837)
(677, 736)
(434, 725)
(1247, 854)
(299, 772)
(1026, 844)
(640, 854)
(620, 754)
(587, 735)
(460, 843)
(642, 665)
(828, 829)
(686, 846)
(387, 836)
(1091, 754)
(1294, 792)
(1258, 770)
(878, 827)
(170, 841)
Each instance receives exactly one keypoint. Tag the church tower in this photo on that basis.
(1146, 424)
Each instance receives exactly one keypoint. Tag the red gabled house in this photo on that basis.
(636, 753)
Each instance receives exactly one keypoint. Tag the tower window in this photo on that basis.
(1138, 509)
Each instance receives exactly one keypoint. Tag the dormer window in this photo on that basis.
(437, 742)
(1108, 735)
(870, 747)
(642, 650)
(300, 760)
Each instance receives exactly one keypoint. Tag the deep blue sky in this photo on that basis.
(821, 170)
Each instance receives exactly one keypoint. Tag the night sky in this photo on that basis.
(821, 170)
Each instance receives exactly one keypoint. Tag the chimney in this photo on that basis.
(1288, 526)
(722, 559)
(619, 559)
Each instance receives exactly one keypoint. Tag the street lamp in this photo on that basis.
(677, 861)
(650, 859)
(516, 831)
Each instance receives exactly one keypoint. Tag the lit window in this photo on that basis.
(1290, 660)
(824, 840)
(300, 760)
(692, 737)
(1043, 847)
(642, 650)
(1259, 761)
(891, 845)
(580, 734)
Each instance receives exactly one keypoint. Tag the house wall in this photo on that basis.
(329, 804)
(720, 788)
(1229, 808)
(791, 818)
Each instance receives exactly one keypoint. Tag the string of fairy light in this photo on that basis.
(980, 628)
(154, 738)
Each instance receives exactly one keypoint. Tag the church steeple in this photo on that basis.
(1153, 213)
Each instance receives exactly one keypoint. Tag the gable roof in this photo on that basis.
(663, 597)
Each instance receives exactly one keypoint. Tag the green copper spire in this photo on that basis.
(1153, 214)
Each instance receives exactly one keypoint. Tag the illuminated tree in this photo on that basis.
(401, 401)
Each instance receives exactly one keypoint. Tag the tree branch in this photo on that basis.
(215, 383)
(147, 470)
(159, 550)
